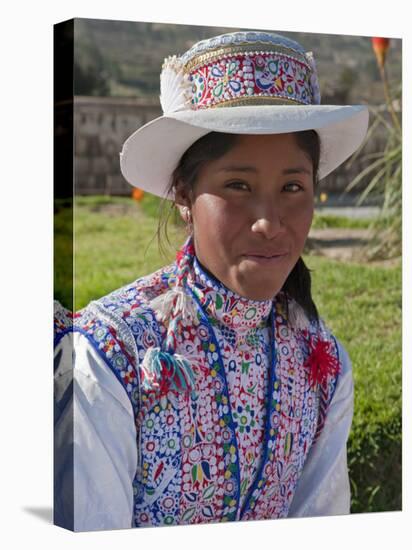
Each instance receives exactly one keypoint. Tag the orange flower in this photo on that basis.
(137, 194)
(380, 47)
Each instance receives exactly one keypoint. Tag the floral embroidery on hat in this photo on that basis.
(258, 74)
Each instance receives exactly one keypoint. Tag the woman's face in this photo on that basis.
(252, 210)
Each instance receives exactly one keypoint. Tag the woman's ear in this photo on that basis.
(185, 214)
(183, 204)
(181, 195)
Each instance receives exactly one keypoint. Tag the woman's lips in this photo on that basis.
(266, 259)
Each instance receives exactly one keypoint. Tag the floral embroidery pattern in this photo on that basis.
(234, 447)
(63, 321)
(242, 75)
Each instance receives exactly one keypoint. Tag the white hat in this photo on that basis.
(241, 83)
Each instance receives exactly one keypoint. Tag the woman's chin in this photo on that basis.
(259, 297)
(262, 291)
(260, 284)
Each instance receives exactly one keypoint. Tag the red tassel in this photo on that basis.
(179, 255)
(321, 363)
(187, 249)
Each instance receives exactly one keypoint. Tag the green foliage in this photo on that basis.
(90, 72)
(151, 205)
(95, 202)
(323, 221)
(347, 78)
(344, 86)
(90, 81)
(384, 181)
(115, 243)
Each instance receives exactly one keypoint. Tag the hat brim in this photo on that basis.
(150, 155)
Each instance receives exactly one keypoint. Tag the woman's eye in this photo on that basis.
(238, 185)
(293, 187)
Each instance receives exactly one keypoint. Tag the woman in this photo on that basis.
(211, 390)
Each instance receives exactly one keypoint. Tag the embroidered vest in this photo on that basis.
(188, 467)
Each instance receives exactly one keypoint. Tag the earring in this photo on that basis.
(188, 218)
(188, 215)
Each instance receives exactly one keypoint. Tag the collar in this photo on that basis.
(225, 306)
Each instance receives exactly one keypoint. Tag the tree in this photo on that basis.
(90, 80)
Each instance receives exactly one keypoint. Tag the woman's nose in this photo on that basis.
(269, 223)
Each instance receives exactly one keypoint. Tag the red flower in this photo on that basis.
(380, 47)
(321, 363)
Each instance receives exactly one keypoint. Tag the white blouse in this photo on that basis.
(94, 418)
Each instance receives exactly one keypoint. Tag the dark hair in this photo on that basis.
(211, 147)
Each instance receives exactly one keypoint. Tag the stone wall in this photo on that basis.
(100, 127)
(102, 124)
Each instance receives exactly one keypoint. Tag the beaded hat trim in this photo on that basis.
(261, 99)
(201, 59)
(242, 38)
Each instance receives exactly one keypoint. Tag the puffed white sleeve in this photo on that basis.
(94, 441)
(323, 488)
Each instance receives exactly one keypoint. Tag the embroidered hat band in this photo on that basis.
(258, 69)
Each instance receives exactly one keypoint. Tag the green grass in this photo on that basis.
(323, 221)
(362, 306)
(63, 254)
(115, 244)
